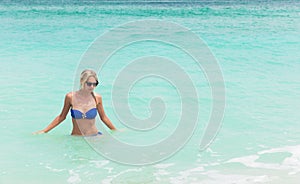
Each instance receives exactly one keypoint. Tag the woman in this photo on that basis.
(84, 105)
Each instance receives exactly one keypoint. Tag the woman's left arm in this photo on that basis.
(102, 114)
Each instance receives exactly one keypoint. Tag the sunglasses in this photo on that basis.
(92, 83)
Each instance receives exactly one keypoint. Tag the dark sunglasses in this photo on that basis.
(91, 83)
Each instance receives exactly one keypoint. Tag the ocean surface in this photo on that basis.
(256, 45)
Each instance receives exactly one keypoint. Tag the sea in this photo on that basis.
(201, 92)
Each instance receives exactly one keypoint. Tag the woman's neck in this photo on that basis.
(84, 93)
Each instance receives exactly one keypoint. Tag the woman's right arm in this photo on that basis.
(61, 117)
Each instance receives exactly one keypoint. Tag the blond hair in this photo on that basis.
(85, 75)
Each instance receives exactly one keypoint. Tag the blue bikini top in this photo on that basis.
(90, 114)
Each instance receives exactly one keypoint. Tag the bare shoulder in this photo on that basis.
(98, 97)
(68, 97)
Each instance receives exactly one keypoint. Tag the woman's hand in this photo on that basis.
(39, 132)
(118, 130)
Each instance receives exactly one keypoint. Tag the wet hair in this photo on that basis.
(85, 75)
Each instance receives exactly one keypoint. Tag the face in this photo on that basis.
(90, 84)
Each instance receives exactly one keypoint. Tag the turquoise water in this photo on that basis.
(257, 47)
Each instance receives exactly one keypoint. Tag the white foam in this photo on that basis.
(47, 166)
(217, 178)
(186, 176)
(291, 163)
(215, 173)
(163, 166)
(99, 163)
(161, 172)
(221, 172)
(74, 177)
(121, 176)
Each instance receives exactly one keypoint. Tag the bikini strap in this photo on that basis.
(94, 98)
